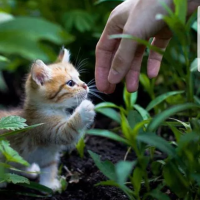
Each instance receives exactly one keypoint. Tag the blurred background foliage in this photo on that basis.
(37, 29)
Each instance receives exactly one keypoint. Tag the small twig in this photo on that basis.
(128, 151)
(68, 171)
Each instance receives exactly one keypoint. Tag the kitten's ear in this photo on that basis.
(40, 73)
(64, 56)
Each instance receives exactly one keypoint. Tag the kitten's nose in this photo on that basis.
(84, 85)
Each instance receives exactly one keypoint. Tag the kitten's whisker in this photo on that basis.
(97, 91)
(82, 63)
(83, 71)
(77, 56)
(91, 82)
(81, 66)
(96, 95)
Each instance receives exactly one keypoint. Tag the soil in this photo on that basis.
(86, 171)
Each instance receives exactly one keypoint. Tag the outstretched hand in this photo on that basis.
(116, 59)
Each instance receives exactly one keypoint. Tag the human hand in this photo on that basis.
(116, 59)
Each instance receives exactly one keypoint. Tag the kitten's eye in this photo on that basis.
(71, 83)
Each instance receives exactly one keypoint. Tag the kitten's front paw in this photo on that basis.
(86, 111)
(34, 170)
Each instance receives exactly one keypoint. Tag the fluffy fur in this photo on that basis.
(50, 92)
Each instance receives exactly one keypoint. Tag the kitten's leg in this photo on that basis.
(34, 171)
(69, 132)
(48, 176)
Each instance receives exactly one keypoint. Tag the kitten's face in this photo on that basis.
(57, 84)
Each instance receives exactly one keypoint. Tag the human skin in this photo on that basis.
(121, 58)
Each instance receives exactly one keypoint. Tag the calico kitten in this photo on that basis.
(52, 91)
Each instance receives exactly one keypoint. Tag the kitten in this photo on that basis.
(51, 93)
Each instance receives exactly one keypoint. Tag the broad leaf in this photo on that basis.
(133, 118)
(108, 134)
(125, 189)
(106, 167)
(4, 135)
(137, 179)
(181, 9)
(19, 36)
(158, 119)
(158, 195)
(175, 180)
(38, 187)
(158, 142)
(12, 123)
(14, 178)
(123, 170)
(161, 98)
(10, 154)
(144, 113)
(111, 113)
(80, 19)
(105, 105)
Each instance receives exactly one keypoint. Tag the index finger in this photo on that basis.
(105, 50)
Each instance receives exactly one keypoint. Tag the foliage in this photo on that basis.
(176, 117)
(15, 125)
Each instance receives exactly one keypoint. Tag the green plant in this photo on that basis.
(15, 125)
(178, 168)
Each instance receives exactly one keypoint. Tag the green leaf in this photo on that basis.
(102, 1)
(14, 178)
(12, 123)
(106, 105)
(194, 65)
(125, 189)
(184, 124)
(136, 180)
(176, 132)
(158, 119)
(123, 170)
(158, 195)
(127, 98)
(80, 147)
(106, 167)
(196, 177)
(156, 167)
(145, 82)
(10, 154)
(181, 9)
(38, 187)
(139, 40)
(126, 127)
(158, 142)
(19, 36)
(175, 180)
(185, 139)
(4, 59)
(80, 19)
(133, 118)
(4, 135)
(161, 98)
(107, 134)
(134, 96)
(111, 113)
(195, 26)
(145, 115)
